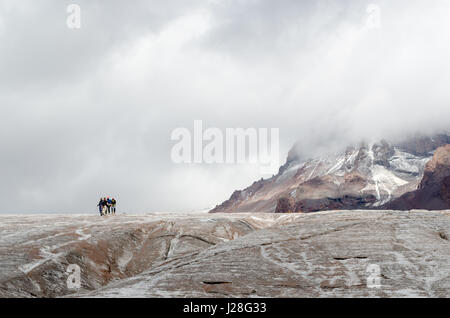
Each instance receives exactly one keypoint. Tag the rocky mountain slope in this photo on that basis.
(360, 177)
(433, 192)
(325, 254)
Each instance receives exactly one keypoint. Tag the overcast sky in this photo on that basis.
(89, 112)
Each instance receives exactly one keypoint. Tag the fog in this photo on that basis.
(89, 112)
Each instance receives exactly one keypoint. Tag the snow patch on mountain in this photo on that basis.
(385, 181)
(404, 162)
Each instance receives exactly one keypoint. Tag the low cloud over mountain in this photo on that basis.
(90, 111)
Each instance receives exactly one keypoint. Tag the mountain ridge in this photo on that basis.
(366, 175)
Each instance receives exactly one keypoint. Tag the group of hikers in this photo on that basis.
(107, 206)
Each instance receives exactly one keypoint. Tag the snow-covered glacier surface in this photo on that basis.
(324, 254)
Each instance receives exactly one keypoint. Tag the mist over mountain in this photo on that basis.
(89, 112)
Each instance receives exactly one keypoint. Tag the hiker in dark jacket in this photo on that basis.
(109, 205)
(113, 205)
(100, 206)
(105, 207)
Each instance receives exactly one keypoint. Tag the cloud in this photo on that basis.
(89, 112)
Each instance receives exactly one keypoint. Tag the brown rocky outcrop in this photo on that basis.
(433, 190)
(285, 205)
(345, 202)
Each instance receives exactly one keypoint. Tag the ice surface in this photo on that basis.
(323, 254)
